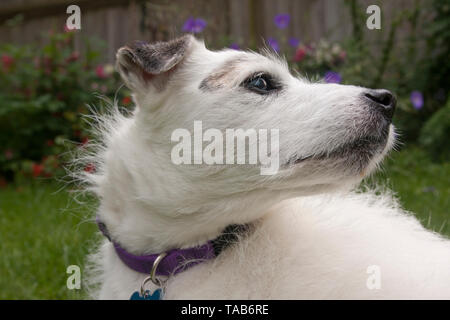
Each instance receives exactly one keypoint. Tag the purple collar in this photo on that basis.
(177, 260)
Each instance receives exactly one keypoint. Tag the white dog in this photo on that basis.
(300, 233)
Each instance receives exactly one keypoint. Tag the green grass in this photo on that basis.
(422, 186)
(43, 231)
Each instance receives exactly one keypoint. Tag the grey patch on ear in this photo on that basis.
(146, 60)
(222, 76)
(159, 57)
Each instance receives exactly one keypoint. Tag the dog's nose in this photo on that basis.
(384, 100)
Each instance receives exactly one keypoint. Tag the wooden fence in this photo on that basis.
(117, 22)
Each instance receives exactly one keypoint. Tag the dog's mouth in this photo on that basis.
(363, 148)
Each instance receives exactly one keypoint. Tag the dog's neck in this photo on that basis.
(143, 231)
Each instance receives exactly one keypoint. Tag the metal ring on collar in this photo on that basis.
(152, 278)
(155, 266)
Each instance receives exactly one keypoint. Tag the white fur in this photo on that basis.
(313, 239)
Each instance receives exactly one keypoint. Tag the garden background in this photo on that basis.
(49, 75)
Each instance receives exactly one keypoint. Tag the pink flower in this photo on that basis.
(67, 29)
(37, 169)
(90, 168)
(299, 54)
(100, 72)
(126, 100)
(73, 57)
(9, 154)
(7, 61)
(3, 182)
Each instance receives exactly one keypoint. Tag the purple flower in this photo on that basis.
(332, 77)
(194, 25)
(417, 99)
(234, 46)
(273, 43)
(282, 20)
(294, 42)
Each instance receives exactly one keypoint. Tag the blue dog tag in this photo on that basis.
(147, 296)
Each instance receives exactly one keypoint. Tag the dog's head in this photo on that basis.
(330, 135)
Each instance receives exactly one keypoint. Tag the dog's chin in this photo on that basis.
(359, 156)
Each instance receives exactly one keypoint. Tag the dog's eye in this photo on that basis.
(261, 83)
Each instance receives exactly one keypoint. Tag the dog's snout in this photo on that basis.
(384, 100)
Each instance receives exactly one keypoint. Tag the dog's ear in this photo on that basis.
(142, 64)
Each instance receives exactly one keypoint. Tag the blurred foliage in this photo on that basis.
(434, 135)
(44, 93)
(418, 64)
